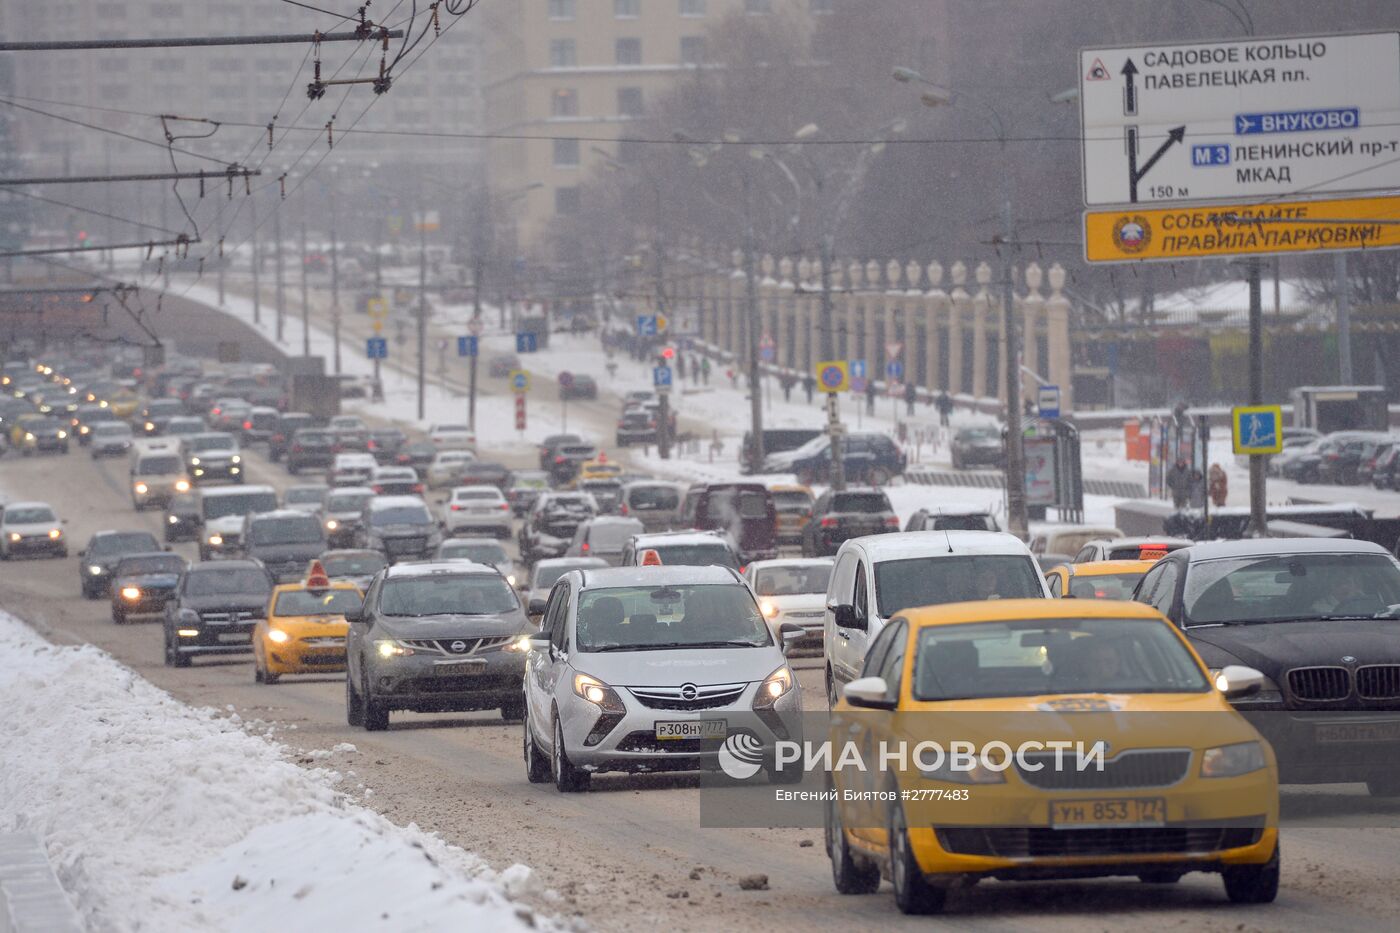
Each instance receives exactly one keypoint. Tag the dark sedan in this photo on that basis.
(1320, 619)
(385, 444)
(182, 518)
(979, 445)
(311, 448)
(485, 473)
(143, 583)
(105, 549)
(417, 454)
(288, 424)
(837, 516)
(216, 605)
(580, 387)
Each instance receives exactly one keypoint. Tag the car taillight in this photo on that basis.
(829, 522)
(558, 459)
(584, 547)
(247, 425)
(456, 506)
(622, 509)
(279, 438)
(402, 458)
(892, 521)
(503, 506)
(378, 490)
(215, 411)
(418, 488)
(373, 445)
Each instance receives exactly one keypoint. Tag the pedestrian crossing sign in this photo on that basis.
(1257, 429)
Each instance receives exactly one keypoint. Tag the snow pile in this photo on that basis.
(159, 816)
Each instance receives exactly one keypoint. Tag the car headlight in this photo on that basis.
(979, 773)
(194, 461)
(172, 519)
(14, 536)
(142, 489)
(277, 635)
(776, 685)
(768, 609)
(95, 570)
(62, 435)
(150, 426)
(388, 648)
(510, 578)
(28, 436)
(236, 459)
(182, 485)
(55, 533)
(332, 524)
(598, 693)
(1232, 760)
(187, 632)
(521, 645)
(215, 540)
(131, 593)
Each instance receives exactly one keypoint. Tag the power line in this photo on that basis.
(232, 172)
(89, 210)
(56, 250)
(103, 129)
(194, 41)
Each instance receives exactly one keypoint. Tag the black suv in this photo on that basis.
(399, 527)
(288, 424)
(312, 448)
(837, 516)
(214, 610)
(436, 637)
(104, 551)
(867, 458)
(285, 542)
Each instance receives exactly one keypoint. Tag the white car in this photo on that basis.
(478, 508)
(307, 498)
(452, 437)
(352, 469)
(486, 551)
(793, 590)
(31, 528)
(446, 468)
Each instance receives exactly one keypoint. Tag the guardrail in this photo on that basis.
(993, 479)
(31, 899)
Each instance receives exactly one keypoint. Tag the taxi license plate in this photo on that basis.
(1334, 732)
(1087, 814)
(454, 670)
(694, 729)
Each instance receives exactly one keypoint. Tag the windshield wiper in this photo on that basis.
(736, 643)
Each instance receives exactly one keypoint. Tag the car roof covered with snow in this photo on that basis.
(926, 543)
(678, 575)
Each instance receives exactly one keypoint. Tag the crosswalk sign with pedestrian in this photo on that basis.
(1257, 429)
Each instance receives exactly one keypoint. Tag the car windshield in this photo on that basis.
(112, 430)
(1052, 656)
(979, 434)
(789, 502)
(401, 515)
(356, 565)
(862, 502)
(239, 504)
(302, 530)
(645, 618)
(316, 602)
(348, 501)
(568, 504)
(31, 515)
(611, 536)
(159, 466)
(546, 575)
(184, 426)
(212, 442)
(929, 581)
(312, 437)
(484, 552)
(813, 447)
(604, 487)
(793, 580)
(121, 543)
(697, 555)
(156, 563)
(645, 498)
(242, 580)
(724, 504)
(962, 523)
(305, 494)
(442, 594)
(1104, 586)
(1283, 587)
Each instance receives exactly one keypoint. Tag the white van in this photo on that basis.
(157, 474)
(878, 576)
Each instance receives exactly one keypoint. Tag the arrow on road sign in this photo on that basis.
(1136, 174)
(1130, 101)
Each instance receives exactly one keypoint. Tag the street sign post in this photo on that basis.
(857, 368)
(377, 348)
(1048, 402)
(519, 381)
(833, 376)
(467, 346)
(1257, 429)
(894, 370)
(476, 326)
(520, 413)
(661, 377)
(1255, 118)
(646, 325)
(526, 342)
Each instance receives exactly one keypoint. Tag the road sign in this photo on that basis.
(519, 381)
(520, 413)
(833, 376)
(894, 370)
(1257, 429)
(526, 342)
(377, 348)
(661, 377)
(646, 325)
(662, 323)
(1134, 233)
(1048, 399)
(1242, 119)
(467, 346)
(476, 326)
(377, 307)
(377, 326)
(767, 354)
(566, 379)
(894, 350)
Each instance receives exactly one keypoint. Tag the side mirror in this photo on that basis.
(790, 634)
(868, 693)
(1237, 681)
(355, 615)
(846, 617)
(536, 607)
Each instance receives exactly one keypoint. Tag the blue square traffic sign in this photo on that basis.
(466, 346)
(526, 343)
(1258, 429)
(894, 370)
(646, 325)
(661, 377)
(377, 348)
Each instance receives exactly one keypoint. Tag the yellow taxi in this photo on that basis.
(21, 427)
(1100, 579)
(794, 507)
(124, 403)
(304, 632)
(601, 468)
(1043, 739)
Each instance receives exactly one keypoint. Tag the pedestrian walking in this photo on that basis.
(870, 396)
(705, 370)
(945, 407)
(788, 381)
(809, 385)
(911, 395)
(1179, 483)
(1219, 485)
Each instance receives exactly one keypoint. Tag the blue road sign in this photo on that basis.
(1209, 154)
(1049, 401)
(894, 370)
(520, 381)
(526, 343)
(857, 369)
(377, 348)
(661, 377)
(1257, 429)
(466, 346)
(1297, 121)
(767, 354)
(646, 325)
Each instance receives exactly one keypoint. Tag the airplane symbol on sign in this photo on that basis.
(1243, 124)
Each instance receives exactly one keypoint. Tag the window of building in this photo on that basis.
(563, 102)
(693, 50)
(566, 200)
(561, 9)
(629, 102)
(629, 51)
(566, 153)
(758, 6)
(563, 53)
(692, 7)
(627, 9)
(821, 7)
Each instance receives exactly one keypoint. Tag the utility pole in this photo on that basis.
(478, 271)
(305, 299)
(219, 258)
(257, 260)
(1258, 502)
(277, 251)
(1017, 517)
(1339, 261)
(751, 335)
(335, 276)
(422, 312)
(828, 335)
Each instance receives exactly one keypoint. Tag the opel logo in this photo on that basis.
(1348, 659)
(689, 691)
(458, 647)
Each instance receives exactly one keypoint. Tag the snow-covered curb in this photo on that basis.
(159, 816)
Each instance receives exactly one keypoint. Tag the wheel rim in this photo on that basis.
(529, 745)
(556, 760)
(899, 846)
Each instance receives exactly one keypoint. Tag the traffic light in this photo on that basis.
(668, 353)
(82, 238)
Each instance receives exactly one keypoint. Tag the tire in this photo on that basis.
(118, 617)
(1253, 884)
(376, 713)
(1387, 785)
(514, 711)
(912, 893)
(169, 653)
(832, 698)
(88, 591)
(567, 778)
(1159, 876)
(849, 873)
(537, 769)
(354, 706)
(257, 672)
(270, 678)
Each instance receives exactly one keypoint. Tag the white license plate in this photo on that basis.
(1339, 732)
(693, 729)
(234, 636)
(465, 667)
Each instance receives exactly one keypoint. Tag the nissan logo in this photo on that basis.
(689, 691)
(458, 647)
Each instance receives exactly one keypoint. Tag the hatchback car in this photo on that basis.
(143, 583)
(604, 537)
(794, 507)
(477, 508)
(652, 669)
(793, 590)
(435, 637)
(545, 573)
(656, 505)
(31, 528)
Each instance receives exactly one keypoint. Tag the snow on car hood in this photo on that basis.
(677, 666)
